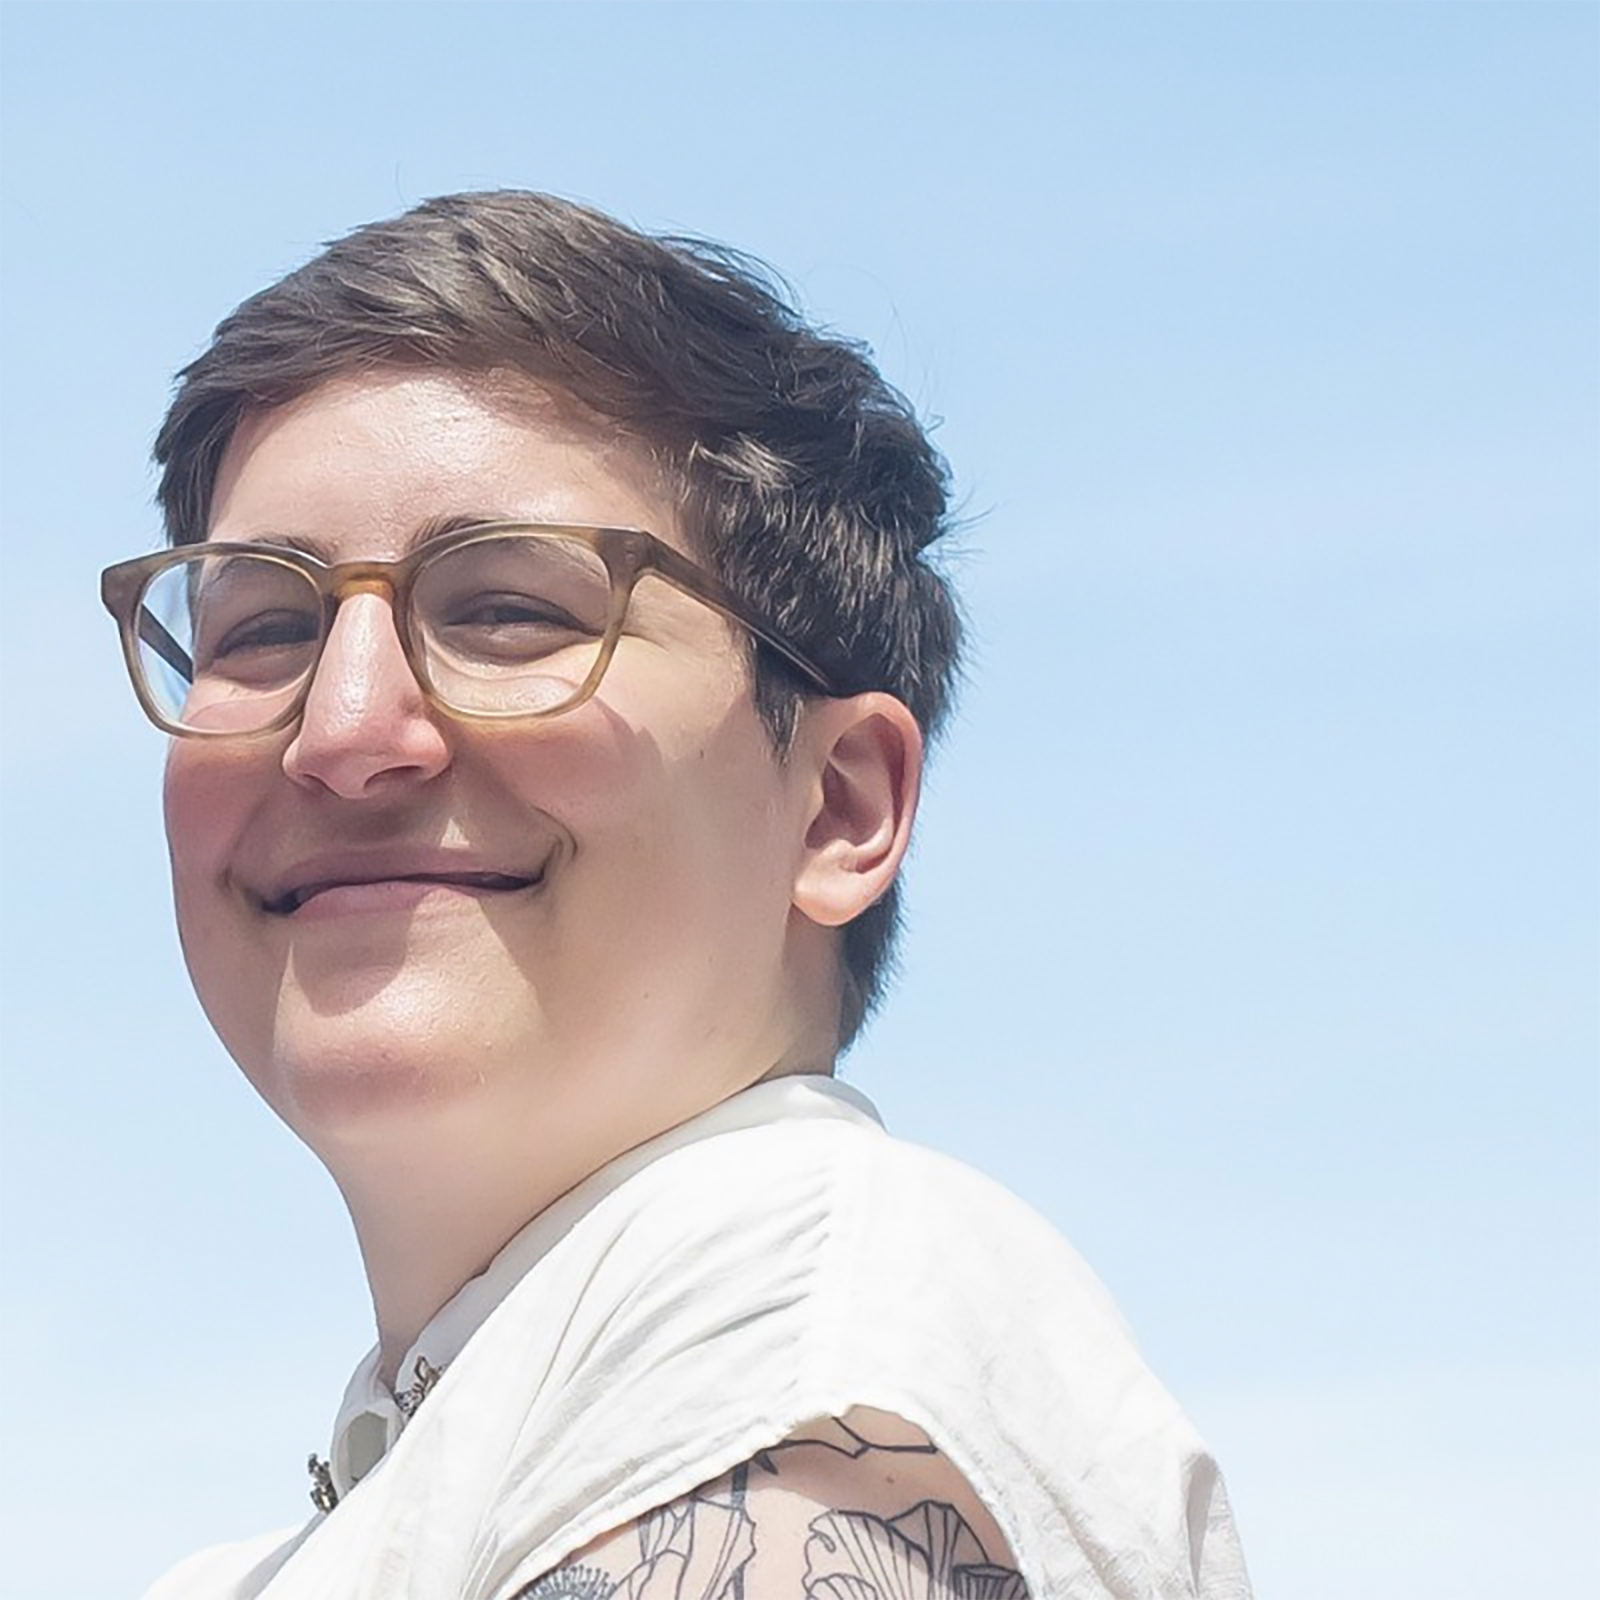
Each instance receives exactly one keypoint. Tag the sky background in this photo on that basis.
(1253, 920)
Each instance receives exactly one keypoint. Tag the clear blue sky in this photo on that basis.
(1254, 919)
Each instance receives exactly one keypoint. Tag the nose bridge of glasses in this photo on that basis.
(351, 580)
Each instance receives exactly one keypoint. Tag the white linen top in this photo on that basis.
(775, 1260)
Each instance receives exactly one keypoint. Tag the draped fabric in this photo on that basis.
(777, 1260)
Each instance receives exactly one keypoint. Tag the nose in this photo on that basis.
(367, 728)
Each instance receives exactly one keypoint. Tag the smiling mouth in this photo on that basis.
(286, 904)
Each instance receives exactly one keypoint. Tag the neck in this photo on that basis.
(436, 1197)
(424, 1232)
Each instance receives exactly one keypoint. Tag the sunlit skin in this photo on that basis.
(529, 946)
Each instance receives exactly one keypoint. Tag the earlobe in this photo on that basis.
(865, 754)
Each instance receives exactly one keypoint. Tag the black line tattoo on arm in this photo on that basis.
(698, 1549)
(838, 1436)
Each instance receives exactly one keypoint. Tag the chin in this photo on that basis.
(365, 1071)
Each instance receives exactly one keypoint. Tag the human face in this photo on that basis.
(582, 920)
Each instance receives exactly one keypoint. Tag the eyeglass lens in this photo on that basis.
(507, 625)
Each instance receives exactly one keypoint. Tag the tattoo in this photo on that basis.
(837, 1435)
(928, 1551)
(738, 1486)
(698, 1549)
(569, 1583)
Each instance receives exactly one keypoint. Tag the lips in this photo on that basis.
(307, 883)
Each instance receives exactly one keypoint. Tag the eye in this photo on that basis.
(251, 617)
(263, 634)
(505, 609)
(505, 625)
(271, 630)
(511, 602)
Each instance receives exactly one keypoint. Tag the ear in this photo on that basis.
(865, 757)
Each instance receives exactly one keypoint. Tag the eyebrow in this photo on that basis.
(426, 531)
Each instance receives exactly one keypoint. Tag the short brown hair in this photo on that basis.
(809, 486)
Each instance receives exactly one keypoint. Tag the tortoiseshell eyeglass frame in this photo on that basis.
(628, 554)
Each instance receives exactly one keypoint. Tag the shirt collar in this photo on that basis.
(371, 1416)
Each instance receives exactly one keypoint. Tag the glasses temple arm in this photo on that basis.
(813, 674)
(156, 636)
(714, 592)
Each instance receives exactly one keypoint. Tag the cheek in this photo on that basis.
(194, 801)
(209, 796)
(698, 867)
(206, 799)
(677, 816)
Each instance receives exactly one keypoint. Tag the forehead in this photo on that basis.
(364, 466)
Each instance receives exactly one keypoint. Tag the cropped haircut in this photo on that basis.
(806, 481)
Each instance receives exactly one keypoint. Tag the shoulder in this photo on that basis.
(866, 1185)
(862, 1507)
(233, 1571)
(760, 1281)
(839, 1266)
(838, 1224)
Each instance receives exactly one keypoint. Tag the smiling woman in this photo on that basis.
(633, 797)
(535, 868)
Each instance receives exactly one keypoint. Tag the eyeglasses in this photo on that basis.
(498, 621)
